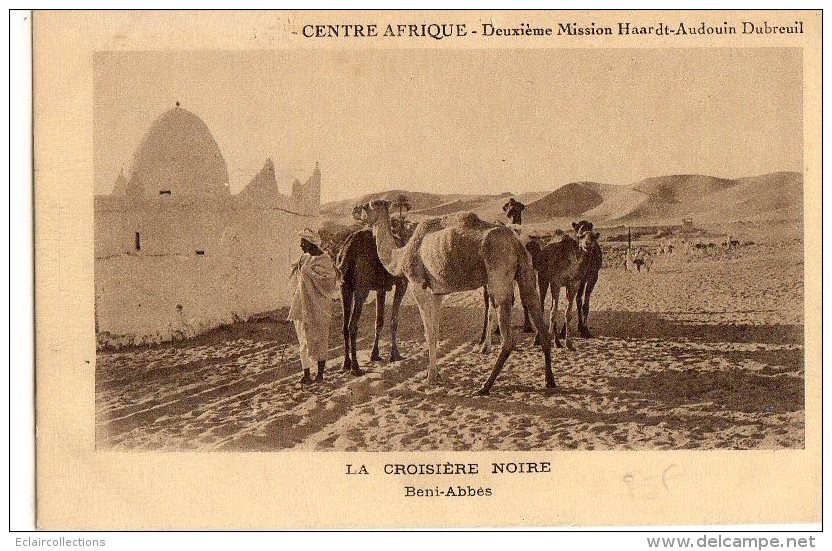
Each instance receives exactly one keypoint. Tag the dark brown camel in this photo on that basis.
(587, 284)
(565, 262)
(359, 272)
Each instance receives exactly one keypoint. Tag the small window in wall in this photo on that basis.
(164, 192)
(138, 241)
(200, 253)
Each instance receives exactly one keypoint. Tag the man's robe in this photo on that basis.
(313, 282)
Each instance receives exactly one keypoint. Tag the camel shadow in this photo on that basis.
(649, 325)
(735, 389)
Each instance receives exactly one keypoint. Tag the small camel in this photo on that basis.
(564, 262)
(587, 284)
(359, 272)
(461, 253)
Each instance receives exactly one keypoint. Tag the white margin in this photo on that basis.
(19, 337)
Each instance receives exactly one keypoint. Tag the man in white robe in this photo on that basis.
(313, 283)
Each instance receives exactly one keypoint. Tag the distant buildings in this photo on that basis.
(176, 253)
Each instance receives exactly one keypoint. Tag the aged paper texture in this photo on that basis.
(290, 268)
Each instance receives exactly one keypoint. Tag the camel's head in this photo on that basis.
(582, 226)
(587, 238)
(370, 212)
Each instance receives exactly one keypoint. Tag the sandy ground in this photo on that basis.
(705, 354)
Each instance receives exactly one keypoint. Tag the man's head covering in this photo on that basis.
(311, 236)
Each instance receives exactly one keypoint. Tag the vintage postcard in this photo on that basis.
(427, 269)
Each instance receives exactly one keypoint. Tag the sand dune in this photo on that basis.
(419, 201)
(773, 196)
(707, 199)
(682, 188)
(618, 204)
(569, 200)
(659, 200)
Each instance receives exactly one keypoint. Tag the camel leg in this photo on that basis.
(590, 285)
(504, 319)
(494, 328)
(526, 278)
(398, 296)
(553, 315)
(567, 318)
(579, 305)
(346, 306)
(491, 328)
(562, 332)
(543, 336)
(381, 297)
(543, 286)
(429, 305)
(486, 305)
(358, 305)
(527, 323)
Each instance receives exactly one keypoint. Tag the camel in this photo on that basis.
(485, 337)
(359, 272)
(461, 253)
(565, 262)
(587, 284)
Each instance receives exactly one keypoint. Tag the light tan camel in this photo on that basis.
(461, 253)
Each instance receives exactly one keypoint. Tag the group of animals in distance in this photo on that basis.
(459, 253)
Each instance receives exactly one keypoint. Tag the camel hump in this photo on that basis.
(559, 247)
(462, 221)
(560, 239)
(425, 227)
(568, 241)
(470, 221)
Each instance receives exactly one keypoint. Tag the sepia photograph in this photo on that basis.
(439, 270)
(402, 250)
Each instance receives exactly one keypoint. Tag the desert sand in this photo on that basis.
(701, 352)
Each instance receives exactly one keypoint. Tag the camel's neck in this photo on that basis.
(386, 245)
(585, 257)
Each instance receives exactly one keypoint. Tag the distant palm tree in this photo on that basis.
(402, 204)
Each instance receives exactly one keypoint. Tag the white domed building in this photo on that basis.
(176, 253)
(178, 157)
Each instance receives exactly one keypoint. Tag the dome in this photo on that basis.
(178, 157)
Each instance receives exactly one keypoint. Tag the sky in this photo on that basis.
(463, 121)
